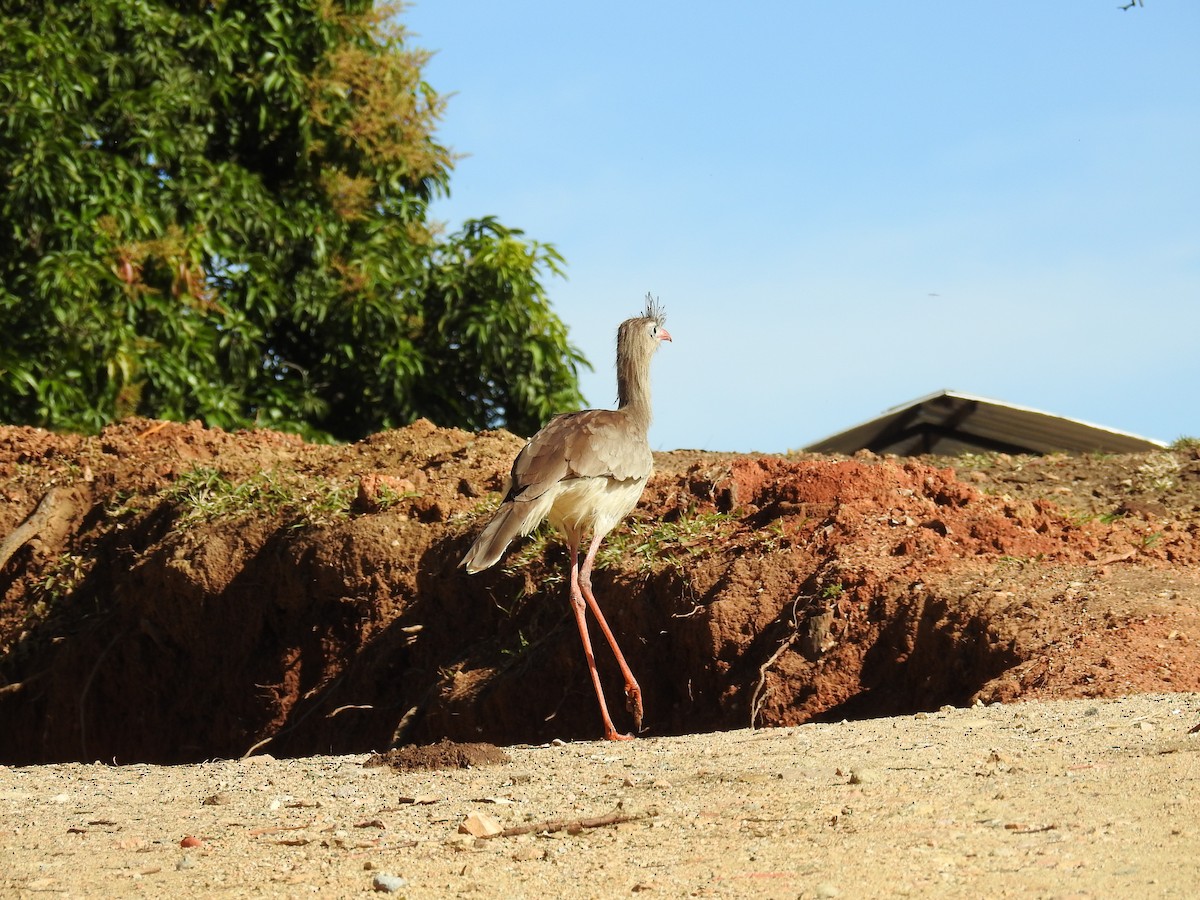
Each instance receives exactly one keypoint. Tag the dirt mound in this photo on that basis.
(444, 754)
(175, 593)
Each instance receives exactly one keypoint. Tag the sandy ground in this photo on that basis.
(1084, 798)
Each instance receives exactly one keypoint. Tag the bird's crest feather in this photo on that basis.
(655, 311)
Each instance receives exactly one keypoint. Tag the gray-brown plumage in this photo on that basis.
(585, 472)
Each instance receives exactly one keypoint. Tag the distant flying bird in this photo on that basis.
(585, 472)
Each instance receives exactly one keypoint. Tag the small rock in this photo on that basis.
(389, 884)
(480, 825)
(863, 776)
(185, 862)
(825, 889)
(528, 853)
(220, 798)
(191, 841)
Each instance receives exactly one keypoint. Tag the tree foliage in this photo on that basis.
(218, 209)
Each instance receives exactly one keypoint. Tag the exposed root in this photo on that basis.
(52, 504)
(759, 697)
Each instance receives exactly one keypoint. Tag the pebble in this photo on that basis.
(529, 852)
(462, 842)
(389, 884)
(480, 825)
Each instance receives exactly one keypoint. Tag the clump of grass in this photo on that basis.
(63, 577)
(771, 536)
(387, 496)
(984, 460)
(519, 648)
(1158, 472)
(654, 543)
(649, 543)
(530, 549)
(123, 503)
(205, 494)
(832, 591)
(482, 510)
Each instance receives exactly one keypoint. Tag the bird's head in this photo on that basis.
(648, 329)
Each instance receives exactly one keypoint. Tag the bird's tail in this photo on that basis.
(508, 522)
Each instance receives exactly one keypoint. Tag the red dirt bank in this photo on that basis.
(175, 593)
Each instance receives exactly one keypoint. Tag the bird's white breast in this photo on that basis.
(593, 505)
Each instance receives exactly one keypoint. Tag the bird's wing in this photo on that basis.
(593, 443)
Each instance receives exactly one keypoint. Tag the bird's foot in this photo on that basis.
(611, 734)
(633, 703)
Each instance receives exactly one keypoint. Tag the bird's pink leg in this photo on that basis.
(580, 610)
(633, 693)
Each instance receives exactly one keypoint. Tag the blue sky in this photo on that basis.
(847, 205)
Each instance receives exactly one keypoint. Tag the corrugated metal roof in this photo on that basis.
(948, 423)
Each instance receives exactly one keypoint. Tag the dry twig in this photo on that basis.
(574, 826)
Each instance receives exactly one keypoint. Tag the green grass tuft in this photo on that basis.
(205, 494)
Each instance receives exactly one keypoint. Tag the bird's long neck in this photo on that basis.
(633, 385)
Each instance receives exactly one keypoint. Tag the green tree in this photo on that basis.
(218, 209)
